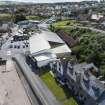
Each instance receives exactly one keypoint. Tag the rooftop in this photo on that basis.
(37, 44)
(47, 41)
(66, 38)
(89, 83)
(61, 49)
(50, 36)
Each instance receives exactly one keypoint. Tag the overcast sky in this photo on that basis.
(46, 1)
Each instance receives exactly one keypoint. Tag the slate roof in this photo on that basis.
(37, 44)
(66, 38)
(89, 83)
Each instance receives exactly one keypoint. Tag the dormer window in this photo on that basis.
(86, 82)
(70, 68)
(59, 68)
(55, 66)
(75, 73)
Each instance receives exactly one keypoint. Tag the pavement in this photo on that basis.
(11, 89)
(9, 53)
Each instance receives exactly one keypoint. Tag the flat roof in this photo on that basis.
(61, 49)
(44, 57)
(50, 36)
(34, 21)
(43, 25)
(37, 44)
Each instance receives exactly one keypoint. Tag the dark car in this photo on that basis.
(26, 45)
(11, 46)
(23, 46)
(15, 46)
(18, 47)
(11, 41)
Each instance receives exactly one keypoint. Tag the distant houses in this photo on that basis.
(96, 17)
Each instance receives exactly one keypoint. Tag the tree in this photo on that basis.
(102, 68)
(19, 17)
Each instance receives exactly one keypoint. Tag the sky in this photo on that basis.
(46, 1)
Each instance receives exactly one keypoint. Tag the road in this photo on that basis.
(9, 53)
(40, 89)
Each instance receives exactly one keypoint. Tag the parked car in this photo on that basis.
(15, 46)
(26, 45)
(11, 41)
(18, 47)
(23, 46)
(11, 46)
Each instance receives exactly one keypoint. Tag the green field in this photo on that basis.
(34, 17)
(2, 3)
(62, 94)
(62, 24)
(5, 17)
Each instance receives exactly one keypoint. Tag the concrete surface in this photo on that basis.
(11, 90)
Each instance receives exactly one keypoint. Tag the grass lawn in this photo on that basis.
(34, 17)
(60, 93)
(62, 24)
(2, 3)
(5, 16)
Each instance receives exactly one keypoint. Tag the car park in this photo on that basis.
(20, 38)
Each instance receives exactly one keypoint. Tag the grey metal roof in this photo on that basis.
(89, 83)
(37, 44)
(41, 42)
(50, 36)
(64, 49)
(95, 89)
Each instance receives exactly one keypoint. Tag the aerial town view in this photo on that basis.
(52, 52)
